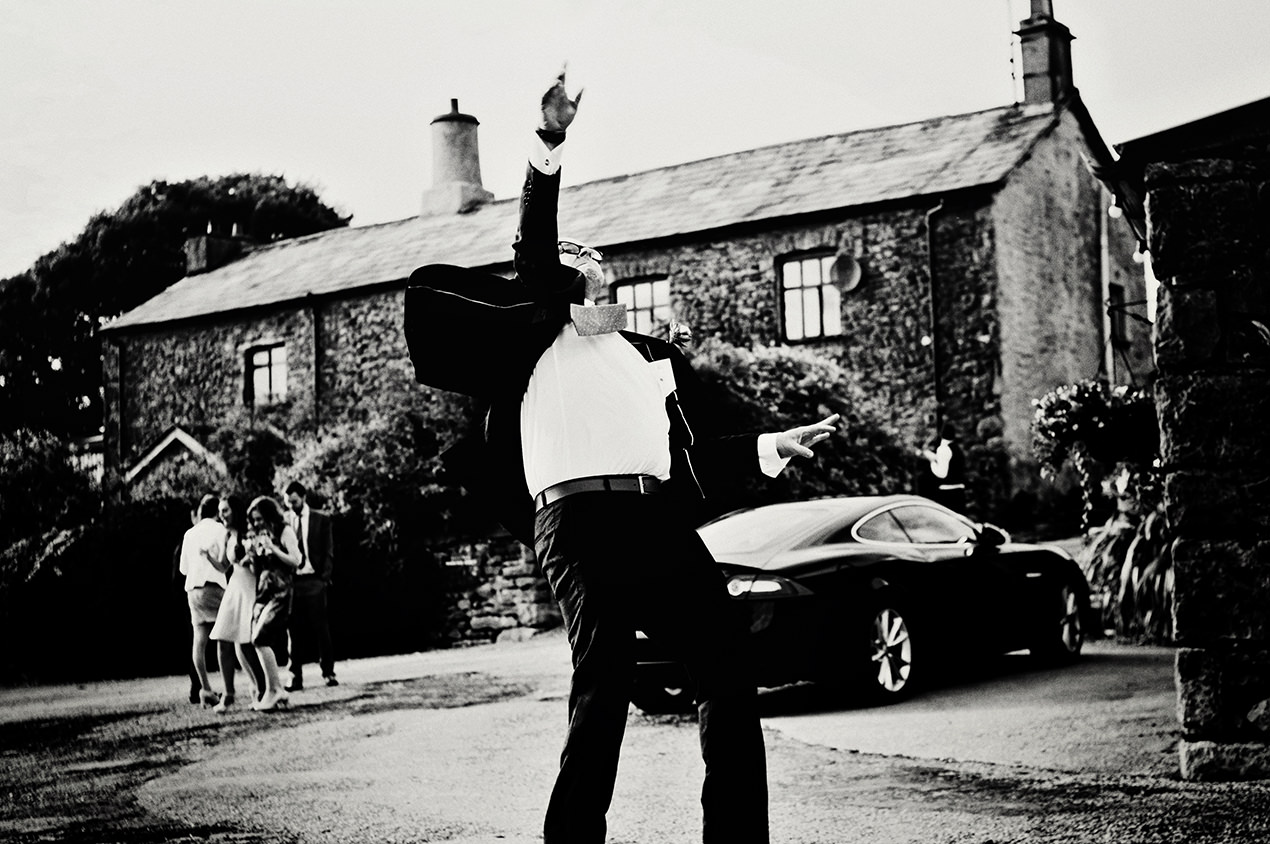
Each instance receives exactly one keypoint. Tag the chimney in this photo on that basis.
(211, 251)
(1047, 55)
(456, 166)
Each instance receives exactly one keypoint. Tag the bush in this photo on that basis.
(75, 570)
(253, 452)
(776, 388)
(393, 508)
(1112, 439)
(45, 504)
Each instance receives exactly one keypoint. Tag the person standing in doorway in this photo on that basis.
(310, 627)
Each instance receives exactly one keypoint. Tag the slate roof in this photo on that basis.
(818, 174)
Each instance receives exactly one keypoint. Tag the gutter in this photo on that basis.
(933, 312)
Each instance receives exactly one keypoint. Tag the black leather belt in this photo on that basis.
(643, 484)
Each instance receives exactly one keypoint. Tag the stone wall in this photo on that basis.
(192, 375)
(343, 355)
(1209, 224)
(1054, 243)
(968, 355)
(726, 286)
(497, 591)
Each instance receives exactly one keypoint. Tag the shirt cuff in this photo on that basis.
(769, 461)
(545, 161)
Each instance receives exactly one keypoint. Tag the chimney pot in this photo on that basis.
(456, 165)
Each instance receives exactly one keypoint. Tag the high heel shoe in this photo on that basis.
(208, 699)
(225, 703)
(270, 702)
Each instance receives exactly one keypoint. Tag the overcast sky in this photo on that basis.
(98, 98)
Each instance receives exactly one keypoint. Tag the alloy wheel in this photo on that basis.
(892, 651)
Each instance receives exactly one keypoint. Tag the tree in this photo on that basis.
(45, 502)
(50, 362)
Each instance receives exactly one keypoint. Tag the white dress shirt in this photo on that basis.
(203, 545)
(300, 524)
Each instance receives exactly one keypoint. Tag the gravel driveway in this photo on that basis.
(460, 746)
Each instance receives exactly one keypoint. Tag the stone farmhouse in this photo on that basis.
(959, 267)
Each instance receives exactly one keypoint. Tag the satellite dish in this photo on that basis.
(845, 272)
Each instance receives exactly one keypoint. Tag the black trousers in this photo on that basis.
(620, 562)
(310, 632)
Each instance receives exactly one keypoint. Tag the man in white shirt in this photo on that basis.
(589, 455)
(204, 565)
(946, 483)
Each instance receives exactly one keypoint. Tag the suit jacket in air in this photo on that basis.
(481, 334)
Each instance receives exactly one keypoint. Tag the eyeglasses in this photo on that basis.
(568, 247)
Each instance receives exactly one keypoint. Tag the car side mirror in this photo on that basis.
(991, 536)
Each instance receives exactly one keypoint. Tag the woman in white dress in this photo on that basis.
(233, 621)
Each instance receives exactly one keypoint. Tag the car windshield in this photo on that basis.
(756, 530)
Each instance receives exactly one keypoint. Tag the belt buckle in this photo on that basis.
(640, 478)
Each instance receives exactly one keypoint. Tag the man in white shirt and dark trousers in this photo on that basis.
(588, 454)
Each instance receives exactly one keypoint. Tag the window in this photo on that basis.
(880, 528)
(266, 374)
(926, 524)
(1116, 310)
(647, 302)
(813, 305)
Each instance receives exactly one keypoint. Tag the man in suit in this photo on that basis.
(588, 455)
(308, 624)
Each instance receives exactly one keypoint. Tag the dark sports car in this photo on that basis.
(874, 593)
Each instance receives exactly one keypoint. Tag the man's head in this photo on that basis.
(208, 506)
(296, 493)
(582, 258)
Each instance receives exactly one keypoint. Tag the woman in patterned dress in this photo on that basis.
(274, 553)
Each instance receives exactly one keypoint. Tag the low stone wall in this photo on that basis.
(497, 592)
(1209, 224)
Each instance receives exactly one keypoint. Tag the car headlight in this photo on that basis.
(764, 586)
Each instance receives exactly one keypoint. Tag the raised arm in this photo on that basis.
(537, 260)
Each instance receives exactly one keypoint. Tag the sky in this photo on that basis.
(100, 97)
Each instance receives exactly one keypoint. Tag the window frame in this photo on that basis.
(250, 368)
(633, 310)
(824, 259)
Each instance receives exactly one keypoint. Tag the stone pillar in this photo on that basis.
(1209, 231)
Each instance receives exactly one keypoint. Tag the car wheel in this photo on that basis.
(659, 699)
(1064, 636)
(890, 669)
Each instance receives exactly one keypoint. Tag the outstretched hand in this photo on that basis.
(558, 110)
(797, 442)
